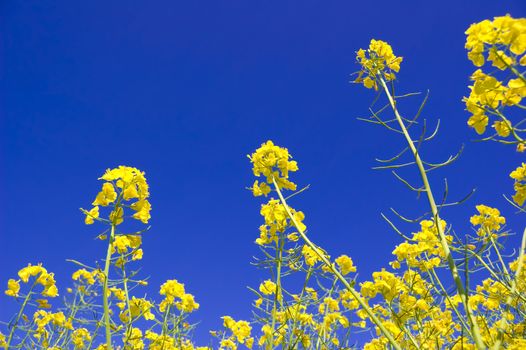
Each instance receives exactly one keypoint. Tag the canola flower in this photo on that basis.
(501, 42)
(519, 175)
(378, 61)
(407, 306)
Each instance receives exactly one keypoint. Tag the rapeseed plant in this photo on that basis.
(422, 301)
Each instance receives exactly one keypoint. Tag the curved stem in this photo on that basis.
(333, 269)
(434, 210)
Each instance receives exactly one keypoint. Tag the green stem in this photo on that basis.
(503, 324)
(20, 313)
(300, 303)
(434, 210)
(277, 293)
(105, 295)
(127, 295)
(333, 269)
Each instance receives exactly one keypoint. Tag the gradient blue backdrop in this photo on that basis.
(184, 90)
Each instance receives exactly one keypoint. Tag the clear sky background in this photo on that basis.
(185, 90)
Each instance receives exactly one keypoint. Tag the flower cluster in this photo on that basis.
(123, 185)
(491, 38)
(425, 252)
(309, 300)
(308, 316)
(377, 62)
(489, 95)
(277, 221)
(503, 43)
(43, 278)
(239, 334)
(519, 175)
(273, 162)
(488, 220)
(172, 290)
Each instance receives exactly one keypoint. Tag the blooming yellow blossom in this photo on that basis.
(187, 303)
(84, 275)
(138, 307)
(501, 42)
(488, 220)
(485, 35)
(240, 330)
(43, 303)
(106, 196)
(91, 215)
(377, 62)
(13, 288)
(519, 175)
(273, 162)
(268, 287)
(260, 189)
(45, 279)
(122, 243)
(133, 340)
(79, 338)
(425, 249)
(502, 127)
(122, 185)
(30, 271)
(311, 257)
(345, 264)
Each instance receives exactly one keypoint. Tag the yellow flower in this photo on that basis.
(3, 343)
(83, 274)
(79, 337)
(260, 190)
(43, 303)
(502, 127)
(502, 31)
(125, 184)
(128, 177)
(13, 288)
(272, 162)
(240, 329)
(488, 220)
(116, 216)
(137, 254)
(187, 303)
(50, 291)
(345, 264)
(118, 293)
(479, 122)
(142, 210)
(328, 305)
(377, 62)
(500, 59)
(30, 271)
(311, 257)
(268, 287)
(519, 175)
(139, 307)
(91, 215)
(172, 289)
(121, 243)
(133, 340)
(106, 196)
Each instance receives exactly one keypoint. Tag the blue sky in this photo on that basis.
(185, 90)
